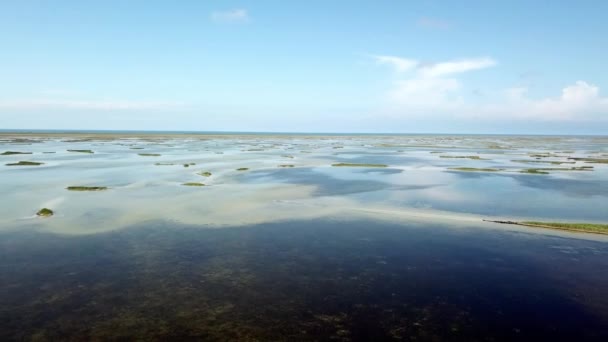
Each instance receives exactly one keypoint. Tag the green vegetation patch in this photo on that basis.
(542, 161)
(581, 227)
(474, 169)
(45, 212)
(87, 188)
(25, 163)
(81, 151)
(464, 157)
(286, 165)
(534, 171)
(189, 164)
(193, 184)
(242, 169)
(358, 165)
(149, 154)
(591, 160)
(10, 153)
(204, 173)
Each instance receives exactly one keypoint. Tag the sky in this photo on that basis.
(506, 67)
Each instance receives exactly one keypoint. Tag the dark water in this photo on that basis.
(315, 280)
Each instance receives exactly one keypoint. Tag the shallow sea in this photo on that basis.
(294, 248)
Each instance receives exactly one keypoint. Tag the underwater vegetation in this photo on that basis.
(25, 163)
(474, 169)
(286, 165)
(81, 151)
(204, 173)
(242, 169)
(45, 212)
(193, 184)
(10, 153)
(87, 188)
(358, 165)
(189, 164)
(149, 154)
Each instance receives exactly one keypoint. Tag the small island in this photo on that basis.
(25, 163)
(596, 228)
(193, 184)
(81, 151)
(45, 212)
(86, 188)
(11, 153)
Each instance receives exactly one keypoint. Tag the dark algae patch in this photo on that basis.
(149, 154)
(25, 163)
(193, 184)
(10, 153)
(204, 173)
(358, 165)
(87, 188)
(242, 169)
(301, 281)
(45, 212)
(81, 151)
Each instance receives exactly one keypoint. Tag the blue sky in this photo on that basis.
(309, 66)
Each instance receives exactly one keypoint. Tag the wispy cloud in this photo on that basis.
(435, 69)
(400, 64)
(456, 67)
(30, 104)
(430, 85)
(238, 15)
(433, 23)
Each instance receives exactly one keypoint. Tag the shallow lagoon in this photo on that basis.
(307, 252)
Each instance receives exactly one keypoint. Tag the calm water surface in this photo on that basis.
(309, 252)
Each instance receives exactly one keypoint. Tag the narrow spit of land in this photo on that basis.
(575, 227)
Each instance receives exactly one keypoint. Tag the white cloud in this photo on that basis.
(578, 101)
(238, 15)
(456, 67)
(433, 90)
(428, 87)
(31, 104)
